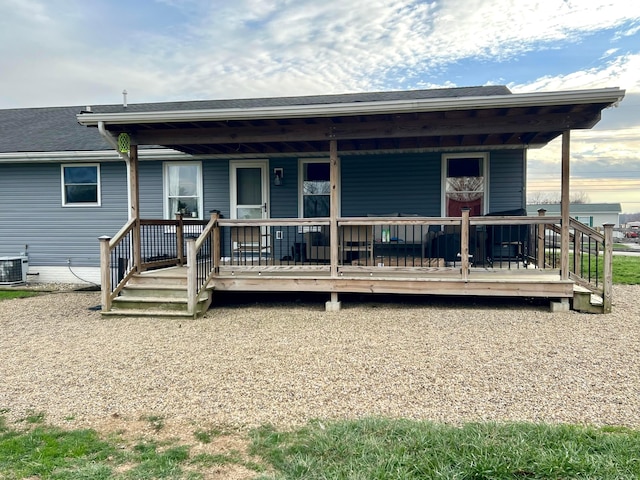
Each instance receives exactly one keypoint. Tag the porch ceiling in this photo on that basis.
(456, 126)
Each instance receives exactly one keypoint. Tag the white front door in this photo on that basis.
(250, 189)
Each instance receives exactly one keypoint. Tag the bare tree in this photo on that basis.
(546, 198)
(579, 197)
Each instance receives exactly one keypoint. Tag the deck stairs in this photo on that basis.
(158, 293)
(586, 301)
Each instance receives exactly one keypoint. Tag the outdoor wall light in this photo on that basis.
(278, 176)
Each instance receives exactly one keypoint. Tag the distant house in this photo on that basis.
(591, 214)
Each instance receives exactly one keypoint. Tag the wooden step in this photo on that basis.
(158, 293)
(585, 301)
(156, 306)
(166, 279)
(146, 313)
(154, 290)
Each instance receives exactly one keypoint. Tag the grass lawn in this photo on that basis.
(7, 294)
(403, 449)
(626, 270)
(360, 449)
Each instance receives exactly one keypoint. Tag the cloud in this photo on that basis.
(622, 71)
(201, 49)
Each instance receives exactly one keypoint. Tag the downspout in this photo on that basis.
(125, 156)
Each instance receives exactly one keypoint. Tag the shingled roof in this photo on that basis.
(55, 129)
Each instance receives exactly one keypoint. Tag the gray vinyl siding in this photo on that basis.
(32, 214)
(151, 189)
(31, 211)
(385, 184)
(284, 198)
(215, 175)
(506, 180)
(409, 184)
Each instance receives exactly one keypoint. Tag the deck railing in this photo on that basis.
(274, 244)
(142, 245)
(456, 246)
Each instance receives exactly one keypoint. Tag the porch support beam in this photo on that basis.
(333, 210)
(398, 127)
(564, 206)
(134, 212)
(333, 305)
(134, 183)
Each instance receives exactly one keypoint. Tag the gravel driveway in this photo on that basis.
(244, 365)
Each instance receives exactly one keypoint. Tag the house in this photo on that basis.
(392, 192)
(591, 214)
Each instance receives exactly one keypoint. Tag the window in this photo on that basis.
(316, 189)
(464, 184)
(587, 220)
(183, 189)
(80, 185)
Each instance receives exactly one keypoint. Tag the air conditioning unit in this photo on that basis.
(13, 270)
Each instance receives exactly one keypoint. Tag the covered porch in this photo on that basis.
(471, 253)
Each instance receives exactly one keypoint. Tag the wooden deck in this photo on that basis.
(537, 269)
(522, 282)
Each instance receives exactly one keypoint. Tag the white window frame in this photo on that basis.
(97, 203)
(165, 188)
(485, 173)
(301, 163)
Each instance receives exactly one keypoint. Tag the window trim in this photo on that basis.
(65, 203)
(301, 163)
(443, 181)
(165, 188)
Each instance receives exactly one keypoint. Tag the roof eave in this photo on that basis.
(607, 96)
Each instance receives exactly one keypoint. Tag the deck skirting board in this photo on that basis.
(511, 287)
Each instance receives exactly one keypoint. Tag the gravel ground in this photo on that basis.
(245, 364)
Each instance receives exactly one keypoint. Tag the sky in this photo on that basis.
(86, 52)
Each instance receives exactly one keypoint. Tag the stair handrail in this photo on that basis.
(107, 246)
(606, 241)
(197, 279)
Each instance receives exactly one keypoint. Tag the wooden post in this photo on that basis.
(333, 220)
(134, 194)
(607, 294)
(541, 240)
(180, 239)
(105, 273)
(577, 252)
(464, 243)
(192, 276)
(564, 207)
(215, 242)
